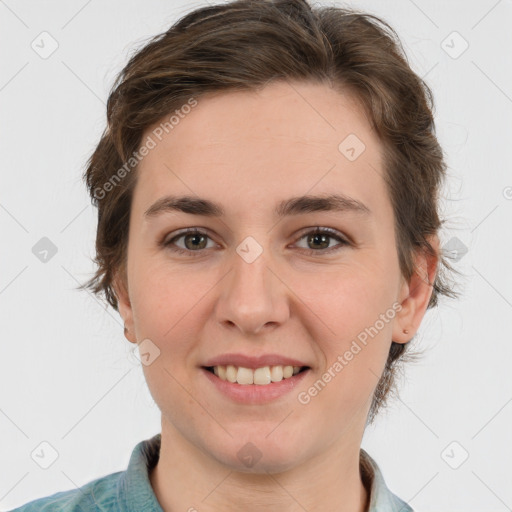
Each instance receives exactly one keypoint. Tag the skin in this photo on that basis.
(248, 151)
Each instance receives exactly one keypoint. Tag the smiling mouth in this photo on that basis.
(259, 376)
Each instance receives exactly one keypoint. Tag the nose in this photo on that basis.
(253, 297)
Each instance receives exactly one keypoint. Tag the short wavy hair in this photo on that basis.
(245, 45)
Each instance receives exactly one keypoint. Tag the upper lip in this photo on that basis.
(253, 362)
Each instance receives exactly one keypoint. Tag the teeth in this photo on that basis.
(231, 372)
(245, 376)
(221, 372)
(260, 376)
(276, 374)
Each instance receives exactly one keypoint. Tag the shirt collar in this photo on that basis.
(381, 498)
(135, 492)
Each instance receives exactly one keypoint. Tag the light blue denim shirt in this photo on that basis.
(131, 491)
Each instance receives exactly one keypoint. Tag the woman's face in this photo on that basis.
(255, 287)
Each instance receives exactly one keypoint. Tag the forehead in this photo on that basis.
(286, 139)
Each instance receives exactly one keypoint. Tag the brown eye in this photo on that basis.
(194, 241)
(319, 240)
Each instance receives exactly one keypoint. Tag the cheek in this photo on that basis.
(351, 325)
(347, 300)
(163, 298)
(167, 311)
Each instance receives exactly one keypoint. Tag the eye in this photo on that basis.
(194, 241)
(319, 237)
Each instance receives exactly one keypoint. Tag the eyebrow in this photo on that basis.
(293, 206)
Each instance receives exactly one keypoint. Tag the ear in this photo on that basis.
(414, 295)
(120, 286)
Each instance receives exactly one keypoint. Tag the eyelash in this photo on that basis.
(328, 231)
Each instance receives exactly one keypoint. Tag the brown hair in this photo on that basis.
(244, 45)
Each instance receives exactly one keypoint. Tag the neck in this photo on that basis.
(185, 478)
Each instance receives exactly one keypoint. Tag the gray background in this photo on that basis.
(69, 377)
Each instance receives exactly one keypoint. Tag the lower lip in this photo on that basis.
(255, 393)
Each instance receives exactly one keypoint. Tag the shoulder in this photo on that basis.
(124, 491)
(99, 494)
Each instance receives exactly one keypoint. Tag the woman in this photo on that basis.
(267, 194)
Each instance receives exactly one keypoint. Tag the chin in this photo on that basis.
(259, 455)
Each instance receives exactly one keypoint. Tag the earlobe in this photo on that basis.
(416, 293)
(119, 284)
